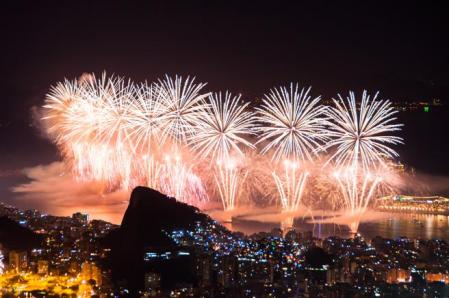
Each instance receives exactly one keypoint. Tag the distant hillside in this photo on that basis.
(149, 213)
(14, 236)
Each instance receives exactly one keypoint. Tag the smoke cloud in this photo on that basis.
(54, 190)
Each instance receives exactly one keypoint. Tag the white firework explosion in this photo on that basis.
(292, 123)
(223, 127)
(220, 132)
(293, 127)
(181, 105)
(362, 135)
(2, 266)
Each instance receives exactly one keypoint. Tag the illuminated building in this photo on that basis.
(42, 267)
(152, 281)
(204, 269)
(90, 271)
(397, 275)
(74, 268)
(437, 277)
(18, 260)
(81, 217)
(414, 204)
(227, 272)
(96, 275)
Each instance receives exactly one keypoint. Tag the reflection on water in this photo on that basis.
(420, 226)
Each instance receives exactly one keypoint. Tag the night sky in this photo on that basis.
(400, 49)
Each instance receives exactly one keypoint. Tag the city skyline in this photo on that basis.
(227, 148)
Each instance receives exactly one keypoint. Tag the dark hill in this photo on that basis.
(14, 236)
(149, 213)
(316, 257)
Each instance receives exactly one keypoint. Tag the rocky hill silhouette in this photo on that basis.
(148, 215)
(15, 237)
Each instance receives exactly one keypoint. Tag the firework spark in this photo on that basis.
(290, 185)
(122, 134)
(219, 134)
(292, 125)
(223, 127)
(111, 130)
(2, 266)
(182, 104)
(362, 138)
(178, 180)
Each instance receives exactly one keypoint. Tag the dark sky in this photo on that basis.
(401, 49)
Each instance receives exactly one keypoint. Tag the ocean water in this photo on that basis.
(394, 225)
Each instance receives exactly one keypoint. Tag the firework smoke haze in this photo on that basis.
(170, 135)
(219, 135)
(362, 138)
(108, 130)
(293, 126)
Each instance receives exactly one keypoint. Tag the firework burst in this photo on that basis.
(362, 138)
(2, 266)
(146, 113)
(169, 135)
(111, 130)
(219, 134)
(292, 126)
(223, 127)
(292, 123)
(181, 105)
(88, 119)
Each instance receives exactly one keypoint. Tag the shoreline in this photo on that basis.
(408, 211)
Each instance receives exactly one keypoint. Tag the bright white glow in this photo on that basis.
(362, 135)
(293, 128)
(220, 132)
(292, 123)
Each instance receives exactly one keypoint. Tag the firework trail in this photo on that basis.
(291, 185)
(362, 138)
(229, 178)
(170, 134)
(179, 181)
(87, 120)
(222, 127)
(293, 128)
(113, 131)
(146, 113)
(219, 135)
(181, 105)
(2, 266)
